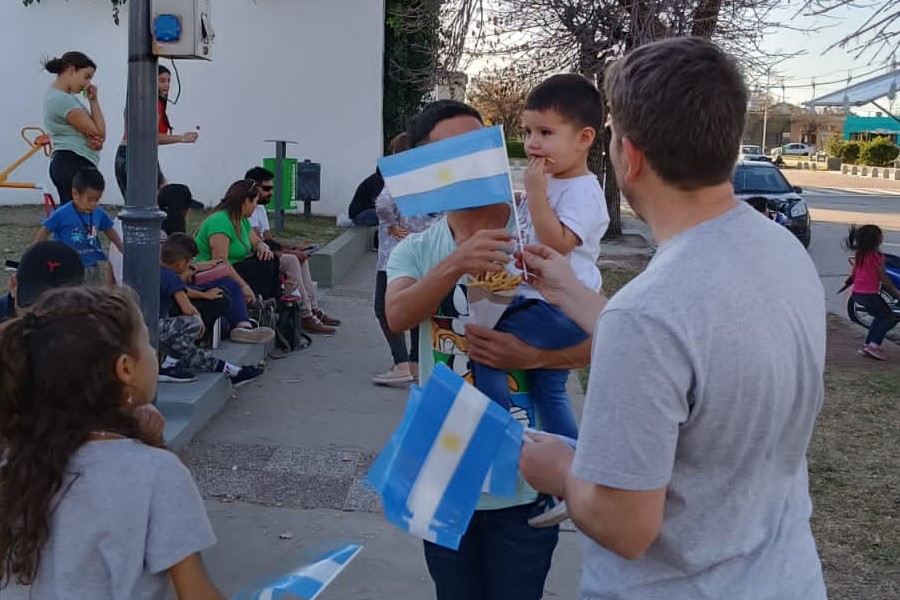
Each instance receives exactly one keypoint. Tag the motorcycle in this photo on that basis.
(857, 312)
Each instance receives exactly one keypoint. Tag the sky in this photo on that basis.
(809, 38)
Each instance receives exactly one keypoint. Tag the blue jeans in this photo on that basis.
(541, 325)
(500, 558)
(237, 306)
(366, 218)
(884, 320)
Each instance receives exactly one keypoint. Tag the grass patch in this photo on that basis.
(19, 224)
(855, 484)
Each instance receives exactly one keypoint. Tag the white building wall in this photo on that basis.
(303, 70)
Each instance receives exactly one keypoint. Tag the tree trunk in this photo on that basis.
(706, 18)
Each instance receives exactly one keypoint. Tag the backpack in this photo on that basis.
(289, 334)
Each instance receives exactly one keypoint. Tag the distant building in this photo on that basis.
(453, 87)
(868, 128)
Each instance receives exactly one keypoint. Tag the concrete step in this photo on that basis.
(188, 407)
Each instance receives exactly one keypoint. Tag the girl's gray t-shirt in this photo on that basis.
(126, 513)
(706, 379)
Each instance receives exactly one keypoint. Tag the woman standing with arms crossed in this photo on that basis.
(77, 133)
(164, 133)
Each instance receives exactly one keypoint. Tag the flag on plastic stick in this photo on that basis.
(308, 581)
(464, 171)
(431, 474)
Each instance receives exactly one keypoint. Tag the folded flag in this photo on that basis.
(432, 471)
(464, 171)
(308, 581)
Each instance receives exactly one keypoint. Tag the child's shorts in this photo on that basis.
(98, 275)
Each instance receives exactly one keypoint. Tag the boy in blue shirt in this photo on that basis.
(78, 225)
(180, 323)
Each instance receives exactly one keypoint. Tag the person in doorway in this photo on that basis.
(165, 134)
(77, 133)
(500, 555)
(690, 477)
(293, 260)
(392, 227)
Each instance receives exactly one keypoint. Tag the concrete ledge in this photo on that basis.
(332, 262)
(188, 407)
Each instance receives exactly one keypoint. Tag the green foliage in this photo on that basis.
(515, 149)
(116, 7)
(835, 146)
(411, 44)
(850, 152)
(880, 152)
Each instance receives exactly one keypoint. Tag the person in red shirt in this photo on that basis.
(164, 130)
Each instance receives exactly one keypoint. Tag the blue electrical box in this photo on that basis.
(167, 28)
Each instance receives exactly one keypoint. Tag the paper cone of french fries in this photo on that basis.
(489, 296)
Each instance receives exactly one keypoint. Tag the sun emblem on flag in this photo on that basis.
(451, 442)
(445, 176)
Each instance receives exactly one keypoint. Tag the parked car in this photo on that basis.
(793, 150)
(762, 185)
(752, 153)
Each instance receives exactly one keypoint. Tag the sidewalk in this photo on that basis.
(287, 454)
(836, 180)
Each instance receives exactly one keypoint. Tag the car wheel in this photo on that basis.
(805, 238)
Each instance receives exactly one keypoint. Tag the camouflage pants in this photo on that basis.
(177, 337)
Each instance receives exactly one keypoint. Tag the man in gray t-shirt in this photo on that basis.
(690, 477)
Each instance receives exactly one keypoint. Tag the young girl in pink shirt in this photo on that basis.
(868, 277)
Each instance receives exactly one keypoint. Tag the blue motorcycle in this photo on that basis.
(858, 313)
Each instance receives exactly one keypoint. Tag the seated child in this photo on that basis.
(78, 224)
(180, 323)
(564, 208)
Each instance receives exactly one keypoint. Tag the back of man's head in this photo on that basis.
(683, 102)
(177, 247)
(45, 266)
(573, 96)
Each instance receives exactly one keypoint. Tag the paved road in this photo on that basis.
(832, 212)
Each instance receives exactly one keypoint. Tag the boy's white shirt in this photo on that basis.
(580, 205)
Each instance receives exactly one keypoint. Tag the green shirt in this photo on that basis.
(57, 106)
(239, 246)
(442, 337)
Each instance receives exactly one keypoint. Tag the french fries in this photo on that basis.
(501, 281)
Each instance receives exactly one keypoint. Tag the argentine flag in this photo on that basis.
(436, 464)
(464, 171)
(308, 581)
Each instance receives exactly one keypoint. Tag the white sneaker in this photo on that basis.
(396, 376)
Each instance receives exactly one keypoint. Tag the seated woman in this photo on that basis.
(224, 296)
(226, 235)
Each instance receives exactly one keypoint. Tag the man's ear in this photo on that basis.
(637, 160)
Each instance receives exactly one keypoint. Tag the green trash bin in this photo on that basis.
(288, 195)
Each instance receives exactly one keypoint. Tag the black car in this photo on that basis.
(763, 186)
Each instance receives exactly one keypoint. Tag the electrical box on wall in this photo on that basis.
(181, 28)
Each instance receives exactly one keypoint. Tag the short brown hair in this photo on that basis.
(573, 96)
(683, 102)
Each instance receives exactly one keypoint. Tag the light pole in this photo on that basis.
(141, 218)
(765, 110)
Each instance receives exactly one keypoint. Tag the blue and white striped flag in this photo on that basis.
(432, 471)
(308, 581)
(464, 171)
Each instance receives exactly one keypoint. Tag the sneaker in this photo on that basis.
(312, 324)
(176, 374)
(247, 374)
(874, 352)
(256, 335)
(548, 511)
(395, 376)
(320, 314)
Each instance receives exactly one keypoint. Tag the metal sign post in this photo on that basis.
(280, 154)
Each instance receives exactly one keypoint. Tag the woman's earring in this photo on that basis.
(129, 401)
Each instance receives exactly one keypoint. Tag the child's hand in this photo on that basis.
(536, 178)
(212, 294)
(398, 232)
(151, 424)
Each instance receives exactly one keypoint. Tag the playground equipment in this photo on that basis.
(36, 143)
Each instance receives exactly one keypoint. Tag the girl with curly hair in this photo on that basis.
(87, 509)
